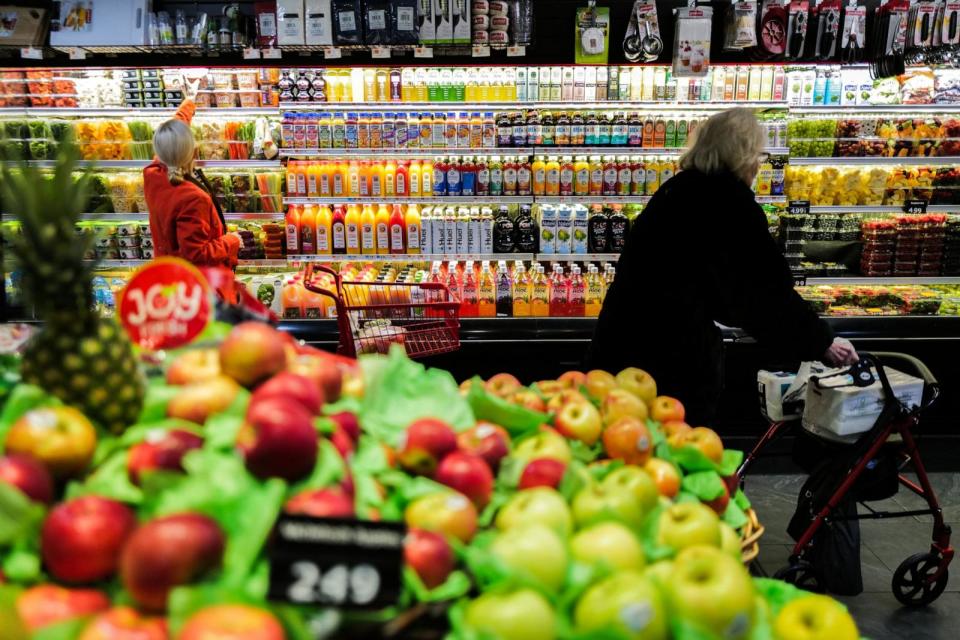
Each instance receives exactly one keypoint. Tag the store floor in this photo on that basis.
(884, 545)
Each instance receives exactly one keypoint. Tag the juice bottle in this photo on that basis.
(468, 177)
(438, 131)
(324, 231)
(476, 131)
(353, 174)
(338, 233)
(426, 130)
(352, 224)
(439, 181)
(420, 93)
(413, 131)
(350, 131)
(552, 169)
(489, 130)
(368, 232)
(471, 91)
(566, 176)
(463, 130)
(397, 224)
(414, 224)
(593, 299)
(540, 295)
(576, 302)
(340, 180)
(293, 228)
(548, 130)
(518, 138)
(638, 178)
(559, 294)
(325, 178)
(562, 135)
(510, 176)
(313, 179)
(413, 178)
(581, 176)
(450, 130)
(390, 179)
(596, 176)
(524, 177)
(454, 180)
(426, 179)
(496, 176)
(487, 296)
(504, 294)
(577, 129)
(539, 176)
(521, 293)
(624, 175)
(403, 180)
(324, 131)
(363, 131)
(604, 130)
(591, 129)
(382, 223)
(292, 300)
(308, 230)
(609, 176)
(534, 129)
(292, 167)
(468, 303)
(483, 177)
(653, 176)
(376, 180)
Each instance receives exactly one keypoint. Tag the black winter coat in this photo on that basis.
(700, 254)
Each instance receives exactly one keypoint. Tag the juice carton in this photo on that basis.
(427, 28)
(548, 229)
(460, 22)
(766, 84)
(580, 230)
(564, 229)
(754, 83)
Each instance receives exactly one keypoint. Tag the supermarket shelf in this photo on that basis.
(886, 208)
(593, 199)
(412, 152)
(934, 161)
(410, 257)
(110, 217)
(432, 200)
(888, 280)
(130, 112)
(874, 108)
(131, 264)
(578, 257)
(139, 164)
(502, 106)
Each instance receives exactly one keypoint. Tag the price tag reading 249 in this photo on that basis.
(166, 304)
(348, 564)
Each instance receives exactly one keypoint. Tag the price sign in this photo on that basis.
(798, 207)
(31, 53)
(332, 53)
(480, 51)
(423, 52)
(799, 280)
(379, 52)
(516, 51)
(272, 53)
(918, 205)
(251, 53)
(166, 304)
(347, 564)
(76, 53)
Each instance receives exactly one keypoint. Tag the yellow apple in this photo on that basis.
(639, 383)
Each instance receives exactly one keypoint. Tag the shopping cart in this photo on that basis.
(372, 316)
(921, 578)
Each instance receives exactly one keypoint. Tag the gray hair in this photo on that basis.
(728, 141)
(174, 145)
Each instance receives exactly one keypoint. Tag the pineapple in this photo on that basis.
(85, 360)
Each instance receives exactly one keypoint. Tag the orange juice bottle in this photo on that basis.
(292, 299)
(552, 168)
(414, 178)
(397, 224)
(413, 229)
(353, 172)
(426, 179)
(368, 240)
(539, 177)
(308, 229)
(540, 294)
(314, 304)
(339, 181)
(293, 229)
(293, 167)
(352, 223)
(376, 180)
(325, 188)
(338, 228)
(521, 293)
(383, 229)
(313, 179)
(403, 180)
(390, 179)
(487, 293)
(364, 175)
(324, 230)
(581, 176)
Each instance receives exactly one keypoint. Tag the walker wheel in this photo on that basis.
(801, 575)
(911, 580)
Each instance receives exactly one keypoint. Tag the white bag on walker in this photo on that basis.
(782, 392)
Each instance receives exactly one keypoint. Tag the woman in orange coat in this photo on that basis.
(185, 219)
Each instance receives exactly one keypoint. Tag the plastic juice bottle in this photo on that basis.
(483, 177)
(504, 294)
(426, 179)
(438, 131)
(468, 303)
(539, 176)
(476, 131)
(414, 225)
(463, 130)
(596, 176)
(368, 232)
(468, 177)
(653, 176)
(421, 90)
(293, 229)
(638, 177)
(363, 171)
(363, 131)
(341, 179)
(308, 230)
(559, 293)
(593, 299)
(450, 128)
(578, 131)
(397, 224)
(552, 169)
(403, 180)
(376, 134)
(325, 179)
(487, 297)
(338, 234)
(390, 179)
(454, 179)
(471, 90)
(324, 132)
(524, 177)
(566, 176)
(352, 222)
(324, 231)
(426, 130)
(413, 179)
(489, 136)
(496, 176)
(353, 175)
(292, 300)
(292, 167)
(562, 135)
(540, 295)
(439, 182)
(609, 176)
(624, 174)
(382, 227)
(376, 180)
(581, 179)
(576, 305)
(313, 179)
(521, 293)
(510, 176)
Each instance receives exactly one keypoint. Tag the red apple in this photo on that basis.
(664, 475)
(549, 388)
(542, 472)
(291, 387)
(628, 439)
(565, 397)
(325, 373)
(503, 385)
(82, 538)
(620, 403)
(675, 431)
(342, 442)
(252, 352)
(573, 380)
(168, 552)
(232, 622)
(27, 474)
(124, 623)
(719, 504)
(278, 439)
(579, 421)
(198, 401)
(733, 483)
(322, 503)
(430, 555)
(600, 383)
(426, 442)
(529, 399)
(487, 440)
(348, 422)
(707, 441)
(161, 450)
(667, 409)
(193, 366)
(46, 604)
(468, 474)
(61, 438)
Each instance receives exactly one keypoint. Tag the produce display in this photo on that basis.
(893, 300)
(852, 186)
(875, 137)
(582, 505)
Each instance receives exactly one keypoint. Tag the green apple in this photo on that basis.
(540, 505)
(638, 482)
(687, 524)
(600, 503)
(713, 591)
(626, 602)
(521, 615)
(609, 544)
(730, 540)
(659, 572)
(545, 444)
(815, 617)
(534, 550)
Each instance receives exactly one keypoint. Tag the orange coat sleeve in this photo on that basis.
(199, 240)
(186, 111)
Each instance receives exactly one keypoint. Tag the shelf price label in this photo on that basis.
(347, 564)
(798, 207)
(31, 53)
(251, 53)
(332, 53)
(76, 53)
(480, 51)
(379, 52)
(516, 51)
(272, 53)
(423, 52)
(917, 205)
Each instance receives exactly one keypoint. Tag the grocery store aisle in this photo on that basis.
(884, 544)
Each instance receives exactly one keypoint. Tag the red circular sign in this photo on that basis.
(166, 304)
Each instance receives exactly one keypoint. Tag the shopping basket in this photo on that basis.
(371, 316)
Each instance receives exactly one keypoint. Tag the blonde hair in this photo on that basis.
(174, 145)
(728, 141)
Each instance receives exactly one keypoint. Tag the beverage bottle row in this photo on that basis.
(572, 229)
(352, 229)
(600, 175)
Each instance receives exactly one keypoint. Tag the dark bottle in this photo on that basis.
(635, 130)
(534, 129)
(527, 232)
(577, 130)
(548, 129)
(604, 130)
(591, 133)
(504, 233)
(504, 293)
(619, 133)
(619, 226)
(504, 130)
(562, 135)
(598, 231)
(519, 137)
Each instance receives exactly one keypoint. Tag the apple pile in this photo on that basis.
(576, 507)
